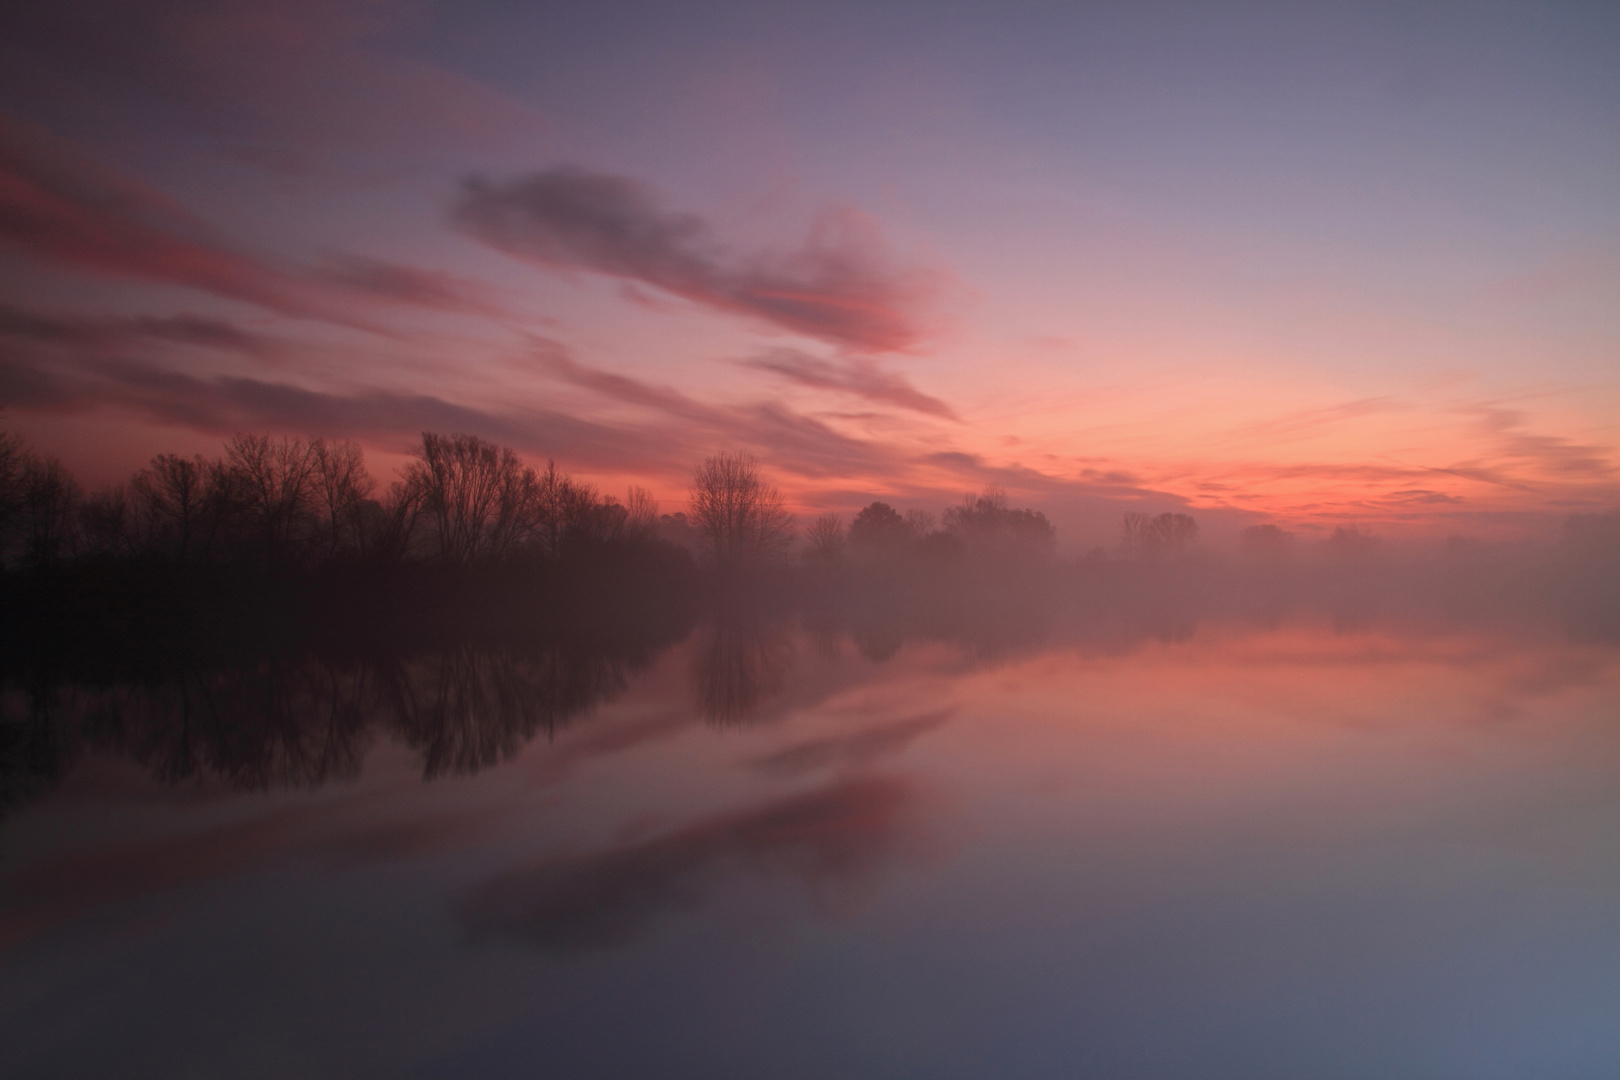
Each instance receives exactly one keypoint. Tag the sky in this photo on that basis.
(1310, 264)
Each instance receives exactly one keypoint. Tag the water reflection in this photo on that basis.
(272, 717)
(302, 721)
(741, 662)
(1285, 844)
(826, 839)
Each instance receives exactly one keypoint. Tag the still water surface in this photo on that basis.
(1295, 851)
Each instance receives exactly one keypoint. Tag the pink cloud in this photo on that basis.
(838, 287)
(858, 377)
(58, 205)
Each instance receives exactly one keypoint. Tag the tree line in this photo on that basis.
(292, 502)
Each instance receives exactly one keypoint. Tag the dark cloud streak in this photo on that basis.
(838, 287)
(862, 378)
(59, 206)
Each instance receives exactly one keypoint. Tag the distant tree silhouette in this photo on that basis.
(179, 502)
(272, 482)
(109, 523)
(985, 523)
(920, 523)
(826, 538)
(1164, 536)
(879, 529)
(341, 485)
(50, 498)
(1266, 541)
(641, 511)
(481, 499)
(1351, 543)
(13, 457)
(741, 518)
(560, 505)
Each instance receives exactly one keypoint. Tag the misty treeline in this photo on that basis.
(982, 524)
(288, 502)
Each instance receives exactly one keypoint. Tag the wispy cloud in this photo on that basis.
(1548, 454)
(859, 377)
(796, 443)
(113, 332)
(397, 283)
(60, 206)
(221, 404)
(840, 286)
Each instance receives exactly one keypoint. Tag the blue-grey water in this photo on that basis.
(1291, 851)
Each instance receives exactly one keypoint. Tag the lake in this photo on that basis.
(1293, 849)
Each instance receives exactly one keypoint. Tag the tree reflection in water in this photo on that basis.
(467, 708)
(740, 662)
(303, 721)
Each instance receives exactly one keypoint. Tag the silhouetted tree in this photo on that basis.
(341, 485)
(272, 483)
(1164, 536)
(562, 505)
(879, 530)
(920, 523)
(985, 523)
(740, 517)
(50, 498)
(1266, 541)
(13, 457)
(473, 491)
(1351, 543)
(641, 511)
(180, 501)
(826, 538)
(109, 523)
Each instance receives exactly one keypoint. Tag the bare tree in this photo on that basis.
(485, 503)
(50, 498)
(109, 522)
(920, 523)
(561, 504)
(13, 456)
(386, 529)
(172, 496)
(1164, 536)
(461, 481)
(826, 538)
(341, 485)
(274, 480)
(741, 518)
(642, 509)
